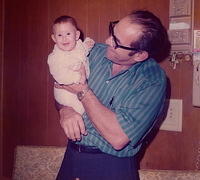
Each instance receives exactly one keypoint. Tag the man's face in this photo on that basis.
(125, 33)
(65, 36)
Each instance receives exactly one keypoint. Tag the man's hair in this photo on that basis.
(68, 19)
(154, 38)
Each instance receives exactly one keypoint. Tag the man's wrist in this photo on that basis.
(81, 94)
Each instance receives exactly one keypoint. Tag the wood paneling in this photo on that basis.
(25, 72)
(11, 95)
(1, 87)
(29, 113)
(35, 71)
(197, 14)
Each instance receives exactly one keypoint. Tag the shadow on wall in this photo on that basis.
(152, 134)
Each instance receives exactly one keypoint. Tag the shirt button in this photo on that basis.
(107, 82)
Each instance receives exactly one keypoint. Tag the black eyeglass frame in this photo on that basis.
(111, 31)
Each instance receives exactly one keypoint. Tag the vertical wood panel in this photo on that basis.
(25, 75)
(196, 14)
(36, 72)
(93, 29)
(11, 91)
(1, 87)
(110, 13)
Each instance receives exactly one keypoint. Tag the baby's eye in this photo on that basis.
(59, 35)
(68, 33)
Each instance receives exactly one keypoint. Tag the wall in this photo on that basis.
(29, 115)
(179, 150)
(1, 87)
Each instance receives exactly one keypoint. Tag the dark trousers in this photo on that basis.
(96, 166)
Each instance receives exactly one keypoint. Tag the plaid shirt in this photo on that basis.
(135, 95)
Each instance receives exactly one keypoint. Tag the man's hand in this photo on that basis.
(73, 88)
(72, 123)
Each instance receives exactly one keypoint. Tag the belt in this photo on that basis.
(85, 149)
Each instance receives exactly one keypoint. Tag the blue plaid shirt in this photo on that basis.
(135, 95)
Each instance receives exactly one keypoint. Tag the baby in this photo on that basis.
(68, 54)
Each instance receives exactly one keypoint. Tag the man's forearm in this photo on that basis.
(105, 121)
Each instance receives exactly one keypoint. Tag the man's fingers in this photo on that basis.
(77, 132)
(72, 124)
(74, 129)
(82, 127)
(57, 85)
(65, 128)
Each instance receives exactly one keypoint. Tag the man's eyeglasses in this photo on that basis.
(111, 31)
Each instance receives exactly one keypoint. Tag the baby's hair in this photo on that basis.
(66, 19)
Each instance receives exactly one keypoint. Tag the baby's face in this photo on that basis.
(65, 36)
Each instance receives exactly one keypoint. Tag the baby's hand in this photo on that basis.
(79, 74)
(89, 42)
(75, 67)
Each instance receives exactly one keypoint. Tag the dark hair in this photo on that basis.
(154, 38)
(65, 19)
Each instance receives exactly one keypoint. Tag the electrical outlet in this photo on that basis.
(173, 120)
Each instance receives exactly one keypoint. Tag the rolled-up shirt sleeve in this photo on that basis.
(139, 110)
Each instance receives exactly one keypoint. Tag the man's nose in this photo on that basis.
(109, 41)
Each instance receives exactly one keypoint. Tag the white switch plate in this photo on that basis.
(173, 120)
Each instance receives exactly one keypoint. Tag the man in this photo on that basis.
(122, 99)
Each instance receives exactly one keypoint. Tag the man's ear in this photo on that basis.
(53, 38)
(141, 56)
(78, 33)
